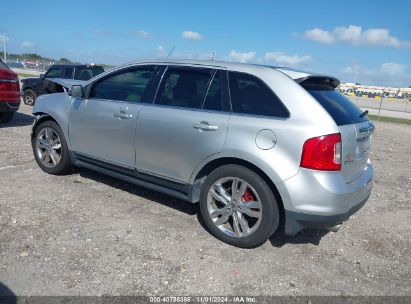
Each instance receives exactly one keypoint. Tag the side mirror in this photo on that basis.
(42, 76)
(77, 91)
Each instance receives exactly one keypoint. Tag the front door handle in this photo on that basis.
(123, 115)
(205, 126)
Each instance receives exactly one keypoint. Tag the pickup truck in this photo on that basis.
(52, 81)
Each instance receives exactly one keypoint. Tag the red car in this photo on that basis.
(9, 93)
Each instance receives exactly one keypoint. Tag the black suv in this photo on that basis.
(33, 87)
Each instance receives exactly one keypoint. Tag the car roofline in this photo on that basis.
(290, 72)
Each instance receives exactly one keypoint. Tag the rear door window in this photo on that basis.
(340, 108)
(183, 87)
(87, 72)
(54, 73)
(249, 95)
(213, 100)
(68, 73)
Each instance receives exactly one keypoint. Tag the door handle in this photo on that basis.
(205, 126)
(123, 115)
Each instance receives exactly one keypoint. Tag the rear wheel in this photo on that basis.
(50, 148)
(238, 207)
(6, 116)
(29, 97)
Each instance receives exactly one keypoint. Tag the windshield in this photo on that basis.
(341, 109)
(87, 72)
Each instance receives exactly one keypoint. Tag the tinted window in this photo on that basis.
(183, 88)
(53, 73)
(213, 98)
(126, 86)
(249, 95)
(341, 109)
(87, 72)
(68, 73)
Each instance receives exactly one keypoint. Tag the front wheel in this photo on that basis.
(50, 148)
(238, 207)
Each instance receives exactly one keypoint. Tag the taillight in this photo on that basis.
(322, 153)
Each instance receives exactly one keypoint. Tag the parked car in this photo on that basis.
(9, 93)
(46, 84)
(256, 146)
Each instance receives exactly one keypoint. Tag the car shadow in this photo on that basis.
(19, 120)
(278, 239)
(6, 295)
(163, 199)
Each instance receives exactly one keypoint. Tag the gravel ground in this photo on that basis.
(88, 234)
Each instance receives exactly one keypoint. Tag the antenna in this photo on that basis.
(172, 50)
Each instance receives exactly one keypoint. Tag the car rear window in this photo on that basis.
(3, 65)
(249, 95)
(341, 109)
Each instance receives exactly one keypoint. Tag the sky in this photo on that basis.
(358, 41)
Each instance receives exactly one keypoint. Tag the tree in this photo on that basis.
(64, 60)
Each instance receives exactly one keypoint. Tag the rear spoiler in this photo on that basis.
(319, 81)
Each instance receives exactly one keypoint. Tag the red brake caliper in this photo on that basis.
(248, 196)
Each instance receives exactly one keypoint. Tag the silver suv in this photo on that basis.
(256, 146)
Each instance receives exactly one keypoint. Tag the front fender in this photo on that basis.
(56, 106)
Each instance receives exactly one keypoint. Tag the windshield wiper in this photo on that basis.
(364, 113)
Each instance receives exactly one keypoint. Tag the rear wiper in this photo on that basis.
(364, 113)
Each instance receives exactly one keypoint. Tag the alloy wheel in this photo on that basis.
(234, 207)
(48, 147)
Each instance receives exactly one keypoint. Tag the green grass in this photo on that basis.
(390, 119)
(26, 75)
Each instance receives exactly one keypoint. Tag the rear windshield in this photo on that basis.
(341, 109)
(3, 65)
(87, 72)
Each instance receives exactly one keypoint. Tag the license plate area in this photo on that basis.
(363, 147)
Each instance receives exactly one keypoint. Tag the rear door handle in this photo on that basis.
(123, 115)
(205, 126)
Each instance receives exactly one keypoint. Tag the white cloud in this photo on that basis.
(387, 74)
(191, 35)
(355, 35)
(319, 35)
(27, 44)
(284, 59)
(143, 34)
(241, 57)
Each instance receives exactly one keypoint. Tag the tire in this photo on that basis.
(257, 194)
(60, 163)
(29, 97)
(6, 116)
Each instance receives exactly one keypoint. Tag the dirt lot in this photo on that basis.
(87, 234)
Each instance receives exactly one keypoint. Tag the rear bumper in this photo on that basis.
(323, 199)
(9, 106)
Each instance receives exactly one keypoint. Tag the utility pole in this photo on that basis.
(5, 38)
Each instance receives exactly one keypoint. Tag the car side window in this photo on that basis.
(184, 88)
(53, 73)
(249, 95)
(213, 99)
(68, 73)
(130, 85)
